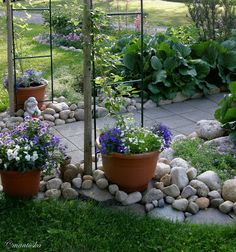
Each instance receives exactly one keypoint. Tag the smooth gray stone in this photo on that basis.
(135, 208)
(96, 194)
(210, 216)
(167, 213)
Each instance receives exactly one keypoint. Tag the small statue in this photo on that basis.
(31, 108)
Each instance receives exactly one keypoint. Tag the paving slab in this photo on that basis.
(157, 113)
(197, 116)
(70, 129)
(175, 121)
(76, 156)
(210, 216)
(186, 130)
(216, 97)
(168, 213)
(179, 108)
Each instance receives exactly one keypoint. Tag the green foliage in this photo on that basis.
(214, 18)
(86, 226)
(203, 158)
(226, 113)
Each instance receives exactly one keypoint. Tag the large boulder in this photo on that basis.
(229, 190)
(209, 129)
(211, 179)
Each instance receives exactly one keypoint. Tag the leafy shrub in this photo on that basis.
(171, 66)
(204, 158)
(226, 113)
(214, 18)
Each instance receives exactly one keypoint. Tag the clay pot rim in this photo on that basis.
(42, 85)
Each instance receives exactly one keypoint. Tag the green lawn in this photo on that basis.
(84, 226)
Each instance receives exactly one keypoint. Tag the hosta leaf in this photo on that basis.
(156, 63)
(129, 61)
(202, 68)
(182, 49)
(153, 88)
(228, 60)
(232, 88)
(230, 115)
(159, 76)
(186, 71)
(229, 44)
(170, 64)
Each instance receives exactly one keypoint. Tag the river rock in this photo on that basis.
(171, 190)
(191, 173)
(101, 112)
(58, 107)
(98, 174)
(77, 182)
(159, 185)
(153, 194)
(234, 208)
(161, 170)
(211, 179)
(209, 129)
(149, 104)
(73, 107)
(169, 199)
(180, 204)
(64, 115)
(113, 188)
(65, 185)
(121, 196)
(178, 138)
(79, 114)
(188, 191)
(168, 154)
(229, 190)
(42, 186)
(70, 193)
(179, 177)
(49, 117)
(102, 183)
(149, 207)
(49, 111)
(215, 203)
(53, 194)
(59, 122)
(87, 177)
(132, 198)
(214, 195)
(87, 184)
(179, 162)
(164, 160)
(202, 189)
(226, 206)
(54, 183)
(193, 207)
(203, 202)
(166, 180)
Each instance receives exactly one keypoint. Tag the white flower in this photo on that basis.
(17, 158)
(27, 157)
(35, 156)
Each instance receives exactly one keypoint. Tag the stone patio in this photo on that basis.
(180, 117)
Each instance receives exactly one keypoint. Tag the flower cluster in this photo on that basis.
(73, 37)
(30, 146)
(162, 131)
(130, 139)
(28, 78)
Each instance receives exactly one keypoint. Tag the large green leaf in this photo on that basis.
(229, 44)
(230, 115)
(159, 76)
(129, 61)
(182, 49)
(232, 88)
(202, 68)
(188, 71)
(164, 50)
(156, 63)
(199, 49)
(171, 63)
(228, 60)
(153, 88)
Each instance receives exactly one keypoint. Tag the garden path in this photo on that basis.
(180, 117)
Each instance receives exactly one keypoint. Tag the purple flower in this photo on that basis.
(163, 131)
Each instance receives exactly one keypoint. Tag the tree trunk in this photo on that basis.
(87, 71)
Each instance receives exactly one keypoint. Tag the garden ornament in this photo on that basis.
(31, 108)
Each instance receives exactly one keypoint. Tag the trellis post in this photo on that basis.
(11, 88)
(87, 82)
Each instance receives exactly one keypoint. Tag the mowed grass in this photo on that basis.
(86, 226)
(28, 47)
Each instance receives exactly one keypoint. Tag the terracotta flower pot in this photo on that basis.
(130, 172)
(23, 93)
(20, 184)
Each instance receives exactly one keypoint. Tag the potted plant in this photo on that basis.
(25, 152)
(29, 84)
(129, 153)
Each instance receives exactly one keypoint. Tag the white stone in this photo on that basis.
(226, 206)
(188, 191)
(102, 183)
(20, 112)
(171, 190)
(113, 189)
(179, 177)
(211, 179)
(161, 170)
(214, 195)
(192, 173)
(58, 107)
(209, 129)
(77, 182)
(149, 104)
(65, 185)
(149, 207)
(64, 114)
(49, 117)
(49, 111)
(179, 97)
(101, 112)
(70, 193)
(59, 122)
(98, 174)
(79, 114)
(121, 196)
(179, 137)
(179, 162)
(87, 184)
(53, 194)
(229, 190)
(153, 194)
(202, 189)
(168, 154)
(54, 183)
(73, 107)
(132, 198)
(169, 199)
(180, 204)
